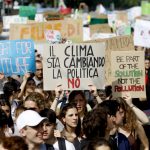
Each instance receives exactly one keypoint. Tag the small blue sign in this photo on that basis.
(17, 57)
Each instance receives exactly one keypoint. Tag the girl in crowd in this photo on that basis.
(5, 106)
(132, 128)
(72, 125)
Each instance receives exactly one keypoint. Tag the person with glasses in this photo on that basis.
(34, 101)
(38, 75)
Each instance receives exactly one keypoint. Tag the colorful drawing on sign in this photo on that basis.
(53, 36)
(74, 66)
(128, 75)
(17, 57)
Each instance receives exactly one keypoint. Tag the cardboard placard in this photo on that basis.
(69, 28)
(142, 33)
(100, 28)
(128, 75)
(119, 43)
(17, 57)
(74, 66)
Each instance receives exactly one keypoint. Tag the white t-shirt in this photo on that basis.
(69, 146)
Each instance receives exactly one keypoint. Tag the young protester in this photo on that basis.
(30, 126)
(4, 129)
(5, 106)
(38, 77)
(101, 122)
(11, 90)
(34, 101)
(132, 128)
(49, 127)
(72, 124)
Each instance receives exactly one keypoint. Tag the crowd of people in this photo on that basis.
(34, 119)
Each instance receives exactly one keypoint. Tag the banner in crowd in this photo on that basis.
(74, 66)
(142, 33)
(17, 57)
(119, 43)
(128, 73)
(70, 29)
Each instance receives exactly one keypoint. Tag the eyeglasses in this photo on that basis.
(31, 108)
(39, 69)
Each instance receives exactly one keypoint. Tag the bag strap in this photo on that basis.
(61, 144)
(49, 147)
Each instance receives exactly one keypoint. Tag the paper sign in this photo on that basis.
(53, 36)
(145, 8)
(17, 57)
(128, 75)
(7, 20)
(70, 29)
(119, 43)
(117, 19)
(27, 11)
(74, 66)
(142, 33)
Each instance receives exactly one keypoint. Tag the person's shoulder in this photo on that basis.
(69, 145)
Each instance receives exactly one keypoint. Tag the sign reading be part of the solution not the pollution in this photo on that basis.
(128, 75)
(74, 66)
(17, 57)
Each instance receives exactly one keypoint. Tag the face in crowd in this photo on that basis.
(80, 103)
(33, 134)
(39, 70)
(71, 117)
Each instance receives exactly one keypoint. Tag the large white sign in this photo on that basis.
(74, 66)
(142, 33)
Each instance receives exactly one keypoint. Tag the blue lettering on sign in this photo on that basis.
(17, 57)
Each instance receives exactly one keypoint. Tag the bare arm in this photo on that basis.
(93, 91)
(142, 117)
(142, 136)
(23, 84)
(58, 93)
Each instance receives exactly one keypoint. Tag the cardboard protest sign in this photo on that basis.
(100, 28)
(7, 20)
(69, 28)
(128, 75)
(74, 66)
(142, 33)
(27, 11)
(117, 19)
(17, 57)
(119, 43)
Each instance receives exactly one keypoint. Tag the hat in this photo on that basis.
(28, 118)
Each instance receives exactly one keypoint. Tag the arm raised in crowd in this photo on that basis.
(93, 90)
(23, 84)
(58, 95)
(142, 117)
